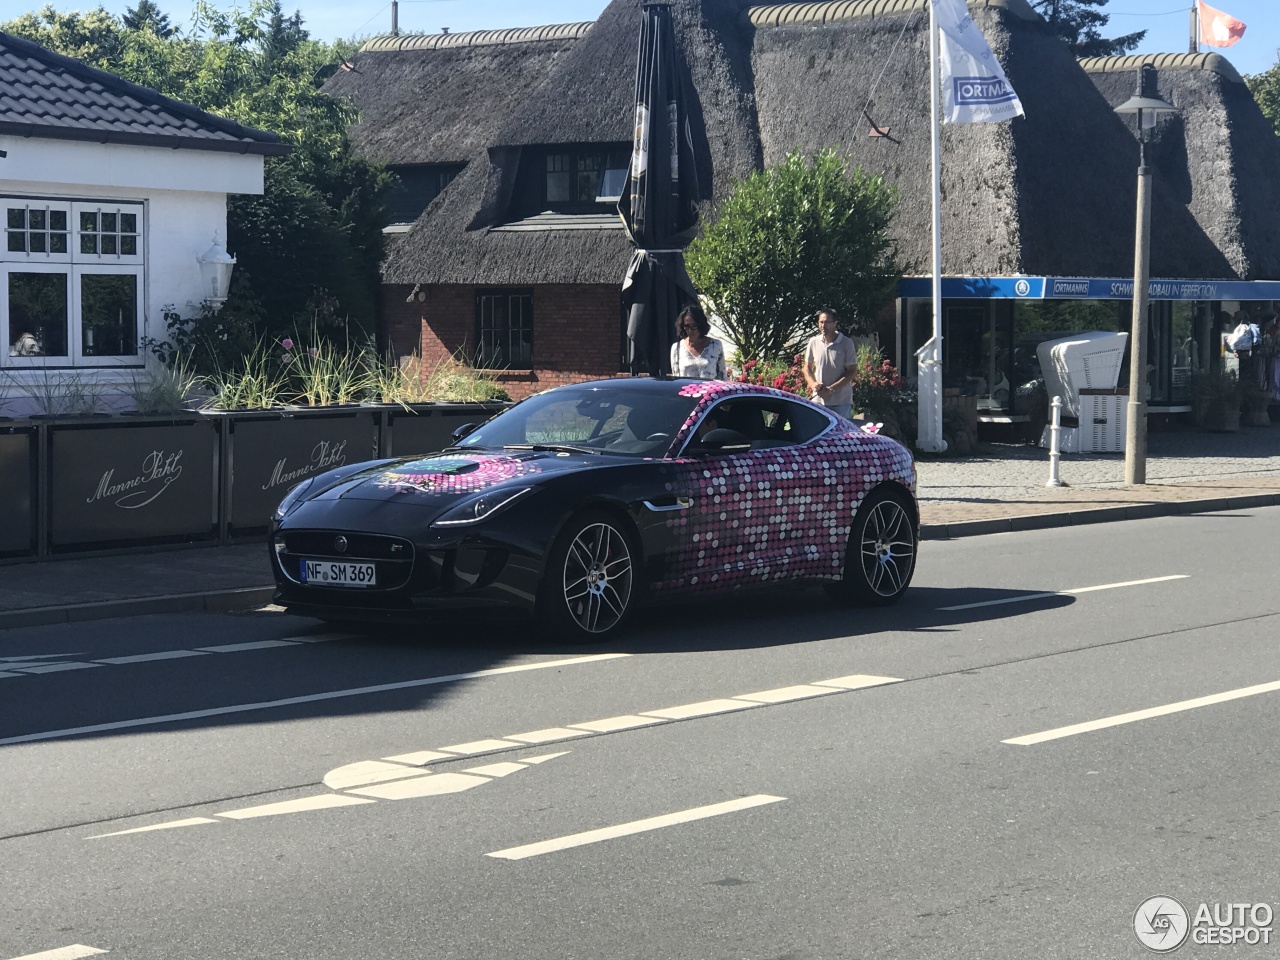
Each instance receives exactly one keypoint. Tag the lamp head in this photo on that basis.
(1146, 102)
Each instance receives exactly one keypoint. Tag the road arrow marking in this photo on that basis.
(73, 952)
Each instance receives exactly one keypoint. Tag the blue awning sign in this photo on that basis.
(1087, 288)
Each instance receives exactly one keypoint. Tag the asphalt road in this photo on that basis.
(767, 778)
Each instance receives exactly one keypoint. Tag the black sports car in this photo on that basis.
(581, 502)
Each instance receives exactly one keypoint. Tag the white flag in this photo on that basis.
(974, 87)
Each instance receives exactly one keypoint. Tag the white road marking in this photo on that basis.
(365, 772)
(148, 657)
(478, 746)
(421, 758)
(1066, 593)
(432, 785)
(251, 645)
(3, 675)
(634, 827)
(614, 724)
(189, 822)
(786, 694)
(56, 667)
(496, 769)
(704, 709)
(1147, 714)
(310, 698)
(323, 801)
(550, 735)
(856, 681)
(73, 952)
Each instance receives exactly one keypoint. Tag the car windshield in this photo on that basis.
(631, 422)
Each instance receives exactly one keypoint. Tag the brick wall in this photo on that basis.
(576, 330)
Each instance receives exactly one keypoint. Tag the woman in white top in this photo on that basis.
(696, 354)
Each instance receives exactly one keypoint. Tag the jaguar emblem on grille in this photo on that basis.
(340, 544)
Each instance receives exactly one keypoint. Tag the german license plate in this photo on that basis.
(330, 573)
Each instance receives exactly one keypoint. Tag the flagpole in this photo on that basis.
(929, 436)
(1195, 27)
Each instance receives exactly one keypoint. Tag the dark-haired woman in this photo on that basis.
(696, 353)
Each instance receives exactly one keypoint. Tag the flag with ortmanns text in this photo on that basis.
(1217, 29)
(974, 87)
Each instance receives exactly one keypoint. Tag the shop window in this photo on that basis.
(71, 281)
(504, 329)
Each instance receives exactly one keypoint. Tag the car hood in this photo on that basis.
(443, 477)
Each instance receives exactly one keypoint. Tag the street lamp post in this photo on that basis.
(1147, 105)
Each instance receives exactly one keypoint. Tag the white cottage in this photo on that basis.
(112, 200)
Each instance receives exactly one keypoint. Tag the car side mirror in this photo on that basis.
(724, 440)
(462, 431)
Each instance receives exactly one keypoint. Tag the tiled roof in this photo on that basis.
(44, 94)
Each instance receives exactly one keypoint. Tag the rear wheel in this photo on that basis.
(589, 588)
(881, 556)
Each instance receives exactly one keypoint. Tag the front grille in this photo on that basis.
(360, 546)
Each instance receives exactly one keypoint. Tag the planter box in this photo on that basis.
(18, 499)
(125, 480)
(428, 427)
(268, 452)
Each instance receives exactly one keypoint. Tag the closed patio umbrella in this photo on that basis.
(659, 202)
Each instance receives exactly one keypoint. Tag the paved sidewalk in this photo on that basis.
(1001, 489)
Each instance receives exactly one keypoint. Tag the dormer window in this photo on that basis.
(418, 185)
(575, 178)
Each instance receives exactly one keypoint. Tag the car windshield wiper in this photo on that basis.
(553, 447)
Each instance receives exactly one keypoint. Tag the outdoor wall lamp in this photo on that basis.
(215, 274)
(1147, 105)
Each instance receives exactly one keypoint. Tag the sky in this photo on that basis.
(1166, 21)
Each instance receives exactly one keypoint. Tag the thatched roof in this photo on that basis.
(441, 98)
(1218, 155)
(1052, 193)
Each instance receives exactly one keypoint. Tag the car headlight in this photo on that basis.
(293, 497)
(480, 507)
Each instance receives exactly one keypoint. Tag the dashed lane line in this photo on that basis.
(57, 663)
(1133, 717)
(309, 698)
(405, 776)
(634, 827)
(1026, 597)
(74, 952)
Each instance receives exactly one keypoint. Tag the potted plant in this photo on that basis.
(1220, 394)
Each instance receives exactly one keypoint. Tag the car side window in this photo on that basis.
(765, 421)
(790, 423)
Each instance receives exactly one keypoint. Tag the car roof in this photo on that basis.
(671, 386)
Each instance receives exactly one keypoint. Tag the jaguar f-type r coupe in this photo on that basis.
(582, 502)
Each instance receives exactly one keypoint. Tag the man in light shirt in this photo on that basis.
(830, 361)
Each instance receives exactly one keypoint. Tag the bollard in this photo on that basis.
(1055, 439)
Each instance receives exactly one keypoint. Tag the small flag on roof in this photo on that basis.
(1217, 29)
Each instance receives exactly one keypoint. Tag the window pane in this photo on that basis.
(17, 219)
(129, 245)
(109, 244)
(57, 220)
(504, 330)
(17, 242)
(108, 223)
(57, 243)
(588, 177)
(38, 242)
(559, 178)
(38, 314)
(89, 221)
(88, 243)
(109, 315)
(128, 223)
(38, 220)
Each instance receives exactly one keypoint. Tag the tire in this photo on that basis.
(881, 556)
(590, 587)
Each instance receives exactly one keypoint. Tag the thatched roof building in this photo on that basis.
(1218, 155)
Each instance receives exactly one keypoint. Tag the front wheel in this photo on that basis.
(589, 587)
(882, 552)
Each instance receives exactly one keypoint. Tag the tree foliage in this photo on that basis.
(309, 249)
(1079, 24)
(805, 234)
(1265, 88)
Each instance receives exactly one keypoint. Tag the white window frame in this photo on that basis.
(74, 265)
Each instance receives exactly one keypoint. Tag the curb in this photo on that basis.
(213, 601)
(1075, 518)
